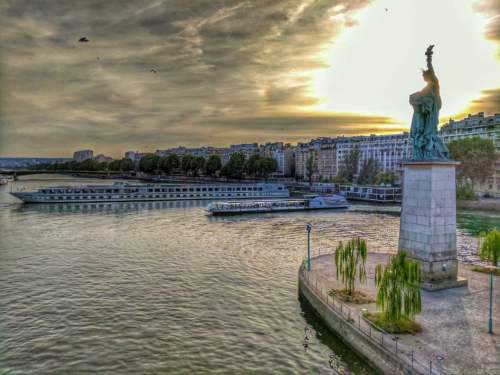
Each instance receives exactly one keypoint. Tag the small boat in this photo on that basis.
(6, 179)
(310, 202)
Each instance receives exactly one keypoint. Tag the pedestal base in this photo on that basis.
(444, 284)
(427, 230)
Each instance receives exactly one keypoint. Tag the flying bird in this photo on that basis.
(83, 39)
(153, 71)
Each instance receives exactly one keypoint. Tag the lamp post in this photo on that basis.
(308, 228)
(490, 318)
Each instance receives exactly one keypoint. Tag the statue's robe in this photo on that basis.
(426, 142)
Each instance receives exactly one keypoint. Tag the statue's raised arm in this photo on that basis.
(429, 53)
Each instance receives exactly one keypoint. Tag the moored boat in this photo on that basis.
(310, 202)
(6, 179)
(123, 192)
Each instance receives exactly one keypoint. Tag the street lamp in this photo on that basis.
(308, 228)
(490, 319)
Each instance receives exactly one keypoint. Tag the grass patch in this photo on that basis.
(481, 269)
(356, 297)
(402, 325)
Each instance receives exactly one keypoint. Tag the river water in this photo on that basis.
(144, 288)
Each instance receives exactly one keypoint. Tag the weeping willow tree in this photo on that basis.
(489, 246)
(350, 261)
(398, 285)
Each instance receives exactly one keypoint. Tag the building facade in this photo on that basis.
(478, 126)
(283, 154)
(473, 126)
(388, 150)
(82, 155)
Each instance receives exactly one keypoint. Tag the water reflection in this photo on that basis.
(109, 207)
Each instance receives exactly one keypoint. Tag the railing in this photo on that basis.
(418, 362)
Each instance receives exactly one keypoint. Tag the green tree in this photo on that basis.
(251, 165)
(88, 165)
(350, 166)
(169, 163)
(476, 156)
(398, 287)
(368, 172)
(102, 166)
(311, 168)
(213, 165)
(126, 165)
(350, 262)
(235, 167)
(149, 163)
(197, 164)
(489, 246)
(186, 163)
(265, 166)
(114, 165)
(385, 178)
(338, 179)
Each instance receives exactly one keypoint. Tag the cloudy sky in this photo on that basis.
(232, 71)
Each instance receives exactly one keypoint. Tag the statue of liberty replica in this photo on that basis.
(426, 104)
(427, 231)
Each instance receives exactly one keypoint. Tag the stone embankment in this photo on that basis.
(454, 338)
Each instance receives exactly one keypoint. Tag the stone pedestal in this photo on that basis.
(428, 221)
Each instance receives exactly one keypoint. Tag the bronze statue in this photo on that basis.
(426, 104)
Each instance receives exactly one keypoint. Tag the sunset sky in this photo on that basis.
(232, 71)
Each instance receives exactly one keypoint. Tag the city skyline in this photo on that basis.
(160, 74)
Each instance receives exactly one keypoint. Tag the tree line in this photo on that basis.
(237, 167)
(121, 165)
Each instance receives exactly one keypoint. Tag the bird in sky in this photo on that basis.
(83, 39)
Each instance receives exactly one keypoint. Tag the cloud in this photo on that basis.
(228, 71)
(488, 102)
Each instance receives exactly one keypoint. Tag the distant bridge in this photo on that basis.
(24, 172)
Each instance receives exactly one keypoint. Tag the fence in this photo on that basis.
(414, 360)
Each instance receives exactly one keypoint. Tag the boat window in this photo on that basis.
(116, 191)
(150, 190)
(280, 188)
(260, 189)
(238, 189)
(216, 189)
(184, 189)
(177, 189)
(210, 189)
(204, 189)
(157, 190)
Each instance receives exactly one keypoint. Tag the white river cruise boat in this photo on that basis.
(123, 192)
(310, 202)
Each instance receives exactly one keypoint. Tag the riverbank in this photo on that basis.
(483, 204)
(454, 323)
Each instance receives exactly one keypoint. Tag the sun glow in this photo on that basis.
(375, 65)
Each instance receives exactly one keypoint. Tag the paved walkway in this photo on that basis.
(454, 321)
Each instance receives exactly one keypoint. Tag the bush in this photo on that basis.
(355, 297)
(401, 325)
(466, 193)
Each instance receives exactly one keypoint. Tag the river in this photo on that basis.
(161, 287)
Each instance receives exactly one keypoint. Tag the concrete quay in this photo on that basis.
(454, 323)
